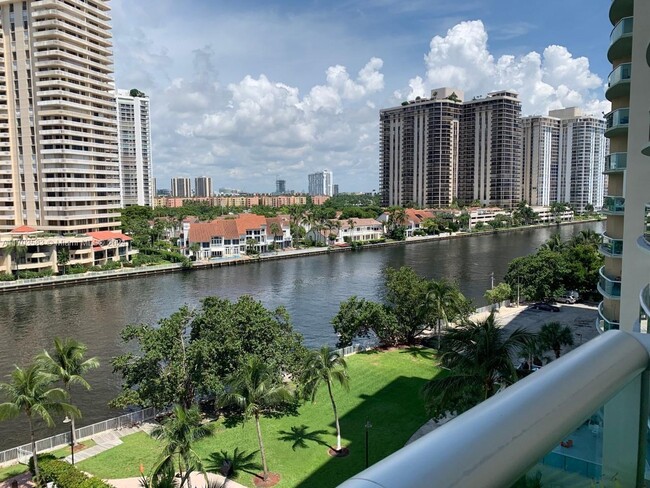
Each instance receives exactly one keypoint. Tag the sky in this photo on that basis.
(250, 91)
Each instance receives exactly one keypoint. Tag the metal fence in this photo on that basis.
(22, 453)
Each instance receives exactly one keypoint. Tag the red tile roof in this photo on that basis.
(249, 222)
(23, 229)
(108, 235)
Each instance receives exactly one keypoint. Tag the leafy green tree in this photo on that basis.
(396, 223)
(554, 335)
(68, 364)
(251, 246)
(498, 294)
(178, 436)
(476, 358)
(555, 243)
(256, 389)
(325, 366)
(540, 275)
(405, 293)
(358, 317)
(17, 249)
(524, 214)
(230, 464)
(29, 392)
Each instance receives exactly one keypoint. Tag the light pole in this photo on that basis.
(368, 427)
(67, 420)
(492, 281)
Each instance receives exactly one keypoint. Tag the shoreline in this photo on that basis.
(126, 273)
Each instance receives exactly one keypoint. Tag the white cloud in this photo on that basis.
(553, 79)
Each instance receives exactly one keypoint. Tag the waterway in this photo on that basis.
(311, 288)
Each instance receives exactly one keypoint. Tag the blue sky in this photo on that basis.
(245, 91)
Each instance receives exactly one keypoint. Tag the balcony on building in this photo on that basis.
(609, 286)
(620, 9)
(610, 247)
(646, 150)
(615, 162)
(616, 122)
(603, 324)
(620, 40)
(613, 205)
(644, 297)
(644, 240)
(618, 82)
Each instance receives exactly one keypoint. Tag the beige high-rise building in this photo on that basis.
(181, 187)
(59, 168)
(203, 186)
(540, 143)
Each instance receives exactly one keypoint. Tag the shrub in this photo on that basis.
(7, 277)
(76, 269)
(65, 475)
(34, 274)
(41, 458)
(112, 265)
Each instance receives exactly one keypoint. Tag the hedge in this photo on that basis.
(65, 475)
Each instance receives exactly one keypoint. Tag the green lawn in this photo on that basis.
(384, 390)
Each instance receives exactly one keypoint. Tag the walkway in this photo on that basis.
(198, 481)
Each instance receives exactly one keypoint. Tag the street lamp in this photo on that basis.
(368, 427)
(67, 420)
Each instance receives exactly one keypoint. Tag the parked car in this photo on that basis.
(547, 307)
(566, 299)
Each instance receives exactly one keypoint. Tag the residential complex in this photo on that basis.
(203, 186)
(59, 168)
(134, 124)
(244, 201)
(419, 150)
(321, 183)
(181, 187)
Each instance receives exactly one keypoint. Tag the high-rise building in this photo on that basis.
(335, 190)
(321, 183)
(418, 155)
(280, 187)
(490, 160)
(582, 149)
(134, 126)
(203, 186)
(540, 148)
(181, 187)
(59, 168)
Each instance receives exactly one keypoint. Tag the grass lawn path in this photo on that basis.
(384, 389)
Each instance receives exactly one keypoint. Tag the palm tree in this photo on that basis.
(554, 243)
(29, 392)
(17, 250)
(276, 230)
(326, 366)
(166, 478)
(68, 365)
(350, 223)
(230, 464)
(443, 301)
(178, 434)
(477, 358)
(553, 336)
(256, 390)
(587, 237)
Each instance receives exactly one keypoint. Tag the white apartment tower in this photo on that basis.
(540, 146)
(419, 150)
(59, 167)
(203, 186)
(321, 183)
(581, 158)
(181, 187)
(134, 125)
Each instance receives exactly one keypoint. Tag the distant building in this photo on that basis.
(335, 190)
(541, 141)
(203, 186)
(181, 187)
(321, 183)
(280, 187)
(229, 191)
(134, 129)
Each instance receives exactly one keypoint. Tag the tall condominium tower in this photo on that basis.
(59, 167)
(541, 138)
(490, 156)
(135, 148)
(321, 183)
(280, 186)
(181, 187)
(203, 186)
(581, 158)
(418, 155)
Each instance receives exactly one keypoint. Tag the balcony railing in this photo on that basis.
(619, 81)
(616, 122)
(613, 205)
(644, 297)
(621, 39)
(611, 247)
(615, 162)
(603, 324)
(499, 440)
(608, 286)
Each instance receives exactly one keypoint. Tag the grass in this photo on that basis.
(384, 390)
(16, 469)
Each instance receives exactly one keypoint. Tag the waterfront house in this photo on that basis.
(111, 245)
(362, 230)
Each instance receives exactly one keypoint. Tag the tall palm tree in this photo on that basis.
(477, 359)
(443, 301)
(178, 435)
(29, 392)
(17, 249)
(276, 230)
(68, 364)
(326, 366)
(256, 390)
(554, 335)
(350, 223)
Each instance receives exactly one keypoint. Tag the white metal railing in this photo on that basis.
(499, 440)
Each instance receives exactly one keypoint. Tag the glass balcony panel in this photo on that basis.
(617, 118)
(621, 40)
(616, 162)
(613, 204)
(611, 247)
(619, 81)
(646, 232)
(645, 300)
(609, 286)
(623, 27)
(603, 323)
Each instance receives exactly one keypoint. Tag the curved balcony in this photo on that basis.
(620, 40)
(619, 9)
(644, 298)
(618, 82)
(603, 323)
(612, 248)
(613, 205)
(644, 241)
(609, 287)
(615, 162)
(646, 150)
(616, 122)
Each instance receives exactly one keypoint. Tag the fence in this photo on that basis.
(22, 453)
